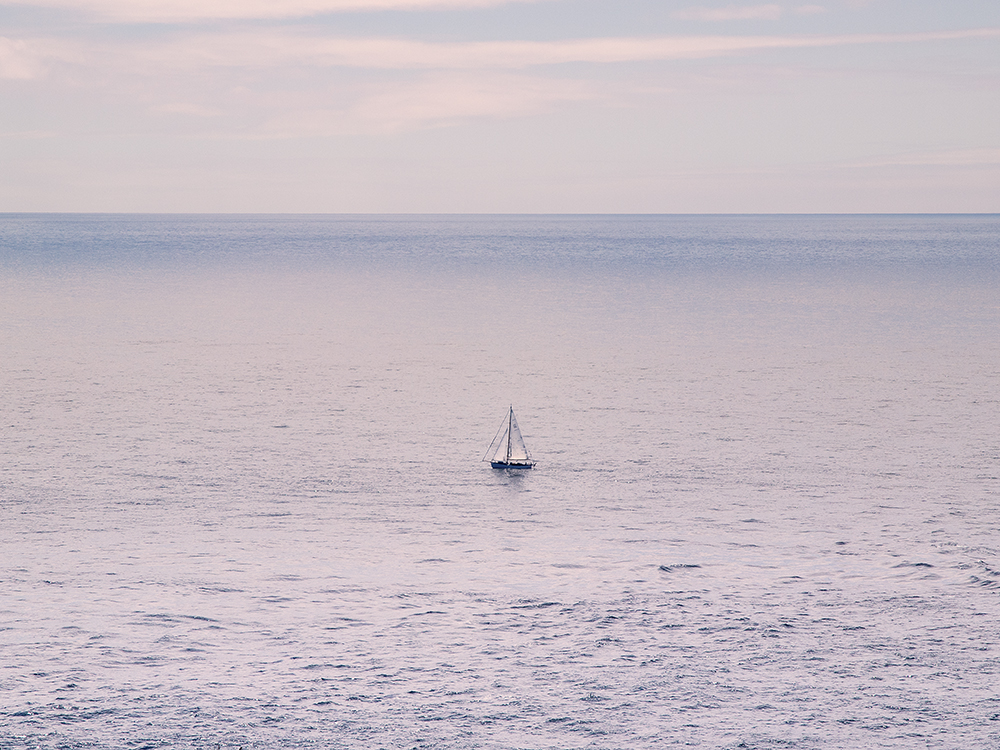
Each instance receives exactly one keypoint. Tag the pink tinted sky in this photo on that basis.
(493, 106)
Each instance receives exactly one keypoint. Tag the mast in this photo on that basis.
(510, 423)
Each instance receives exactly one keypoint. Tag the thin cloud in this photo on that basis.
(435, 100)
(440, 101)
(271, 49)
(17, 61)
(176, 11)
(27, 59)
(186, 108)
(268, 49)
(969, 157)
(769, 12)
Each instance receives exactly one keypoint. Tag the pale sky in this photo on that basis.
(524, 106)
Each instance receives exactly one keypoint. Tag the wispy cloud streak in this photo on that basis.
(770, 12)
(267, 49)
(433, 100)
(968, 157)
(32, 58)
(26, 59)
(178, 11)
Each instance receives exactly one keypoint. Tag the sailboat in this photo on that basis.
(508, 451)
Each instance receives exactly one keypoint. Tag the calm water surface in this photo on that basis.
(242, 502)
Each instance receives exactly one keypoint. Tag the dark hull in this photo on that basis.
(505, 465)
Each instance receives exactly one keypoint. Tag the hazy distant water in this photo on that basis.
(242, 501)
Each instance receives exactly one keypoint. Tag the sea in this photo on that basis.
(243, 502)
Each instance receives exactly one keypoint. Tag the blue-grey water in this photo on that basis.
(242, 502)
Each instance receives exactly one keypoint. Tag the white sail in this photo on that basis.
(518, 451)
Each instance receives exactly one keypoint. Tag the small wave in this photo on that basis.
(977, 581)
